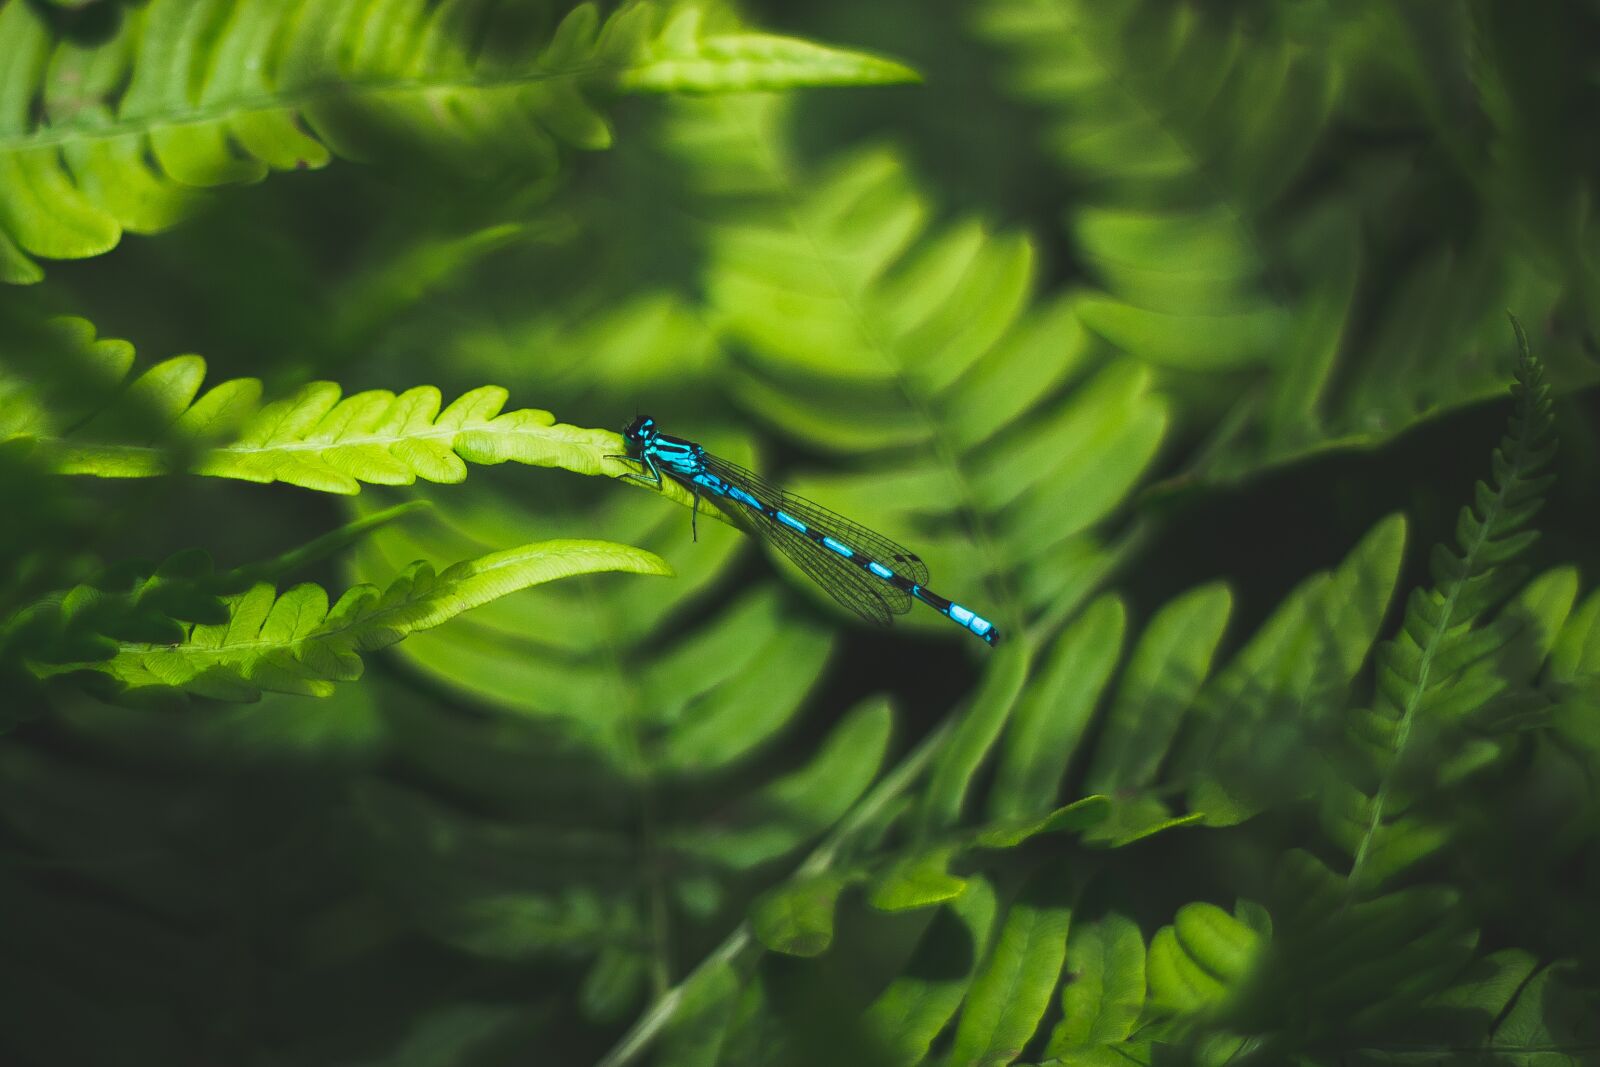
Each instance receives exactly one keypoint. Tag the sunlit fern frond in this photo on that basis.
(982, 424)
(295, 642)
(71, 405)
(98, 137)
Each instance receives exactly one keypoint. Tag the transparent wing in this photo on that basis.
(896, 557)
(875, 601)
(845, 581)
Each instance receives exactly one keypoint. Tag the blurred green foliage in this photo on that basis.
(344, 722)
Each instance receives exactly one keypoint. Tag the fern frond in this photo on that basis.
(1338, 969)
(160, 421)
(1198, 963)
(100, 138)
(1445, 665)
(984, 428)
(1230, 257)
(1505, 1006)
(1034, 731)
(683, 59)
(628, 348)
(294, 643)
(156, 604)
(131, 602)
(1143, 102)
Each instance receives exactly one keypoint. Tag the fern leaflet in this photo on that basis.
(316, 438)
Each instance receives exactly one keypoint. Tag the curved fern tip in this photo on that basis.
(1522, 335)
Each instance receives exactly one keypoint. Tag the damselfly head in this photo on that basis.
(640, 432)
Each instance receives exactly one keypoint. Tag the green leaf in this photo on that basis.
(1575, 656)
(1257, 712)
(641, 696)
(921, 1000)
(921, 353)
(791, 810)
(135, 601)
(1464, 1014)
(1345, 965)
(743, 712)
(1445, 665)
(977, 729)
(1195, 962)
(1171, 218)
(917, 881)
(1137, 818)
(1103, 995)
(797, 918)
(1166, 670)
(696, 1034)
(681, 59)
(1014, 987)
(314, 438)
(1269, 298)
(1055, 711)
(1079, 815)
(1552, 1014)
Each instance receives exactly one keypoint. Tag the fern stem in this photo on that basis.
(740, 940)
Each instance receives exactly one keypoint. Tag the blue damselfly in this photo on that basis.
(865, 571)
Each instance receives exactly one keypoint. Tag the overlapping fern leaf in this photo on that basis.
(1469, 647)
(98, 137)
(291, 642)
(1230, 258)
(983, 424)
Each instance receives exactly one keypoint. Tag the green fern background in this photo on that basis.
(357, 711)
